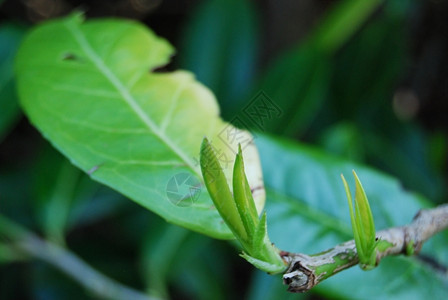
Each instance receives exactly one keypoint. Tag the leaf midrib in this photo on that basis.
(126, 95)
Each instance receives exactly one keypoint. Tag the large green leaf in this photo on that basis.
(88, 87)
(307, 213)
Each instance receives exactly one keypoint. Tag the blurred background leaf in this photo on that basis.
(64, 198)
(220, 45)
(366, 91)
(307, 213)
(10, 36)
(298, 80)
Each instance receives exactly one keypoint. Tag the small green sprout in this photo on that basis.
(363, 227)
(239, 211)
(410, 248)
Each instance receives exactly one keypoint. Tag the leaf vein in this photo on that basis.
(126, 95)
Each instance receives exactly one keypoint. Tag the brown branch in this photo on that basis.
(305, 271)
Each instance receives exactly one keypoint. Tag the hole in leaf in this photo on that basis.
(73, 57)
(69, 56)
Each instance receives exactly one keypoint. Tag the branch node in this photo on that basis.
(299, 278)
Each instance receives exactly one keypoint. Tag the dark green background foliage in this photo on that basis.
(360, 84)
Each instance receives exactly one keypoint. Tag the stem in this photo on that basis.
(307, 271)
(62, 259)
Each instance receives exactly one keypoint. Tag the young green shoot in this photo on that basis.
(363, 226)
(239, 212)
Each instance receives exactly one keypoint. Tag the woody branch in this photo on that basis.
(305, 272)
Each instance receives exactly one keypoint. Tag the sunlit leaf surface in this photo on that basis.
(89, 88)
